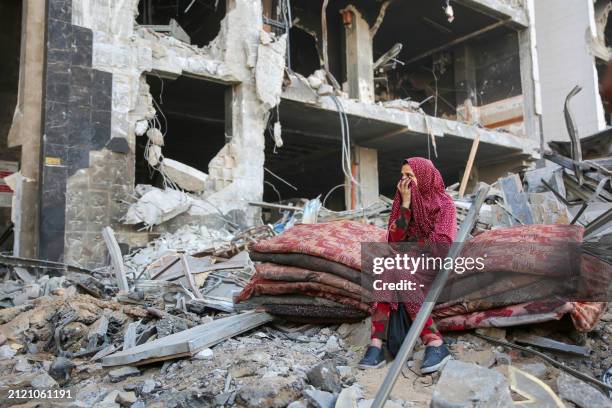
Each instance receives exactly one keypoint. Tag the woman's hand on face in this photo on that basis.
(404, 188)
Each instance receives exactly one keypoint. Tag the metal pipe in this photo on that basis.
(430, 300)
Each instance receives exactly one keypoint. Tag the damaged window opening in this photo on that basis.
(192, 114)
(305, 57)
(309, 162)
(465, 68)
(10, 42)
(192, 21)
(460, 70)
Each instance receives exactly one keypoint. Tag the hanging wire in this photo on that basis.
(331, 191)
(281, 179)
(275, 190)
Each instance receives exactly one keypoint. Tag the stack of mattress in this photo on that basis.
(531, 274)
(312, 272)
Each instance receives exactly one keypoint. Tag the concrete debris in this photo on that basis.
(120, 374)
(186, 177)
(190, 239)
(61, 369)
(205, 354)
(538, 370)
(404, 105)
(156, 207)
(325, 90)
(325, 376)
(469, 385)
(43, 381)
(581, 393)
(350, 397)
(148, 386)
(7, 352)
(270, 68)
(320, 399)
(126, 399)
(318, 78)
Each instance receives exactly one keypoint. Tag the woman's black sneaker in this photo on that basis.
(374, 358)
(435, 358)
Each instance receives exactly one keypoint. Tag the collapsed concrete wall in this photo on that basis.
(99, 185)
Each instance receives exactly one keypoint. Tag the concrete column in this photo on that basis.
(465, 83)
(359, 55)
(365, 171)
(26, 128)
(530, 78)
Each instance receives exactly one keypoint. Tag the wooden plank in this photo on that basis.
(116, 258)
(190, 341)
(468, 166)
(515, 199)
(551, 344)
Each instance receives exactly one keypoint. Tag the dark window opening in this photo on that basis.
(602, 68)
(192, 113)
(430, 70)
(303, 52)
(200, 20)
(309, 162)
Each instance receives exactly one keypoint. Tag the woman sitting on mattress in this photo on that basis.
(422, 212)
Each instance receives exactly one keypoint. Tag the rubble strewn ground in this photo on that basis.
(51, 342)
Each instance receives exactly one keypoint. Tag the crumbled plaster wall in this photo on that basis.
(98, 195)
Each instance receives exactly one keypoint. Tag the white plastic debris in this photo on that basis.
(157, 206)
(141, 127)
(450, 12)
(311, 211)
(155, 136)
(278, 140)
(154, 153)
(186, 177)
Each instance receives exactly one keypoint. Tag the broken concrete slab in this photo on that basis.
(120, 374)
(470, 385)
(270, 68)
(320, 399)
(188, 342)
(157, 206)
(184, 176)
(581, 393)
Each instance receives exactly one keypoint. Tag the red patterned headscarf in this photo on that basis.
(433, 211)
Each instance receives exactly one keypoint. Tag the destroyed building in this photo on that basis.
(186, 188)
(244, 90)
(246, 93)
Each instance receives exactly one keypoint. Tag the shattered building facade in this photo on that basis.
(322, 94)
